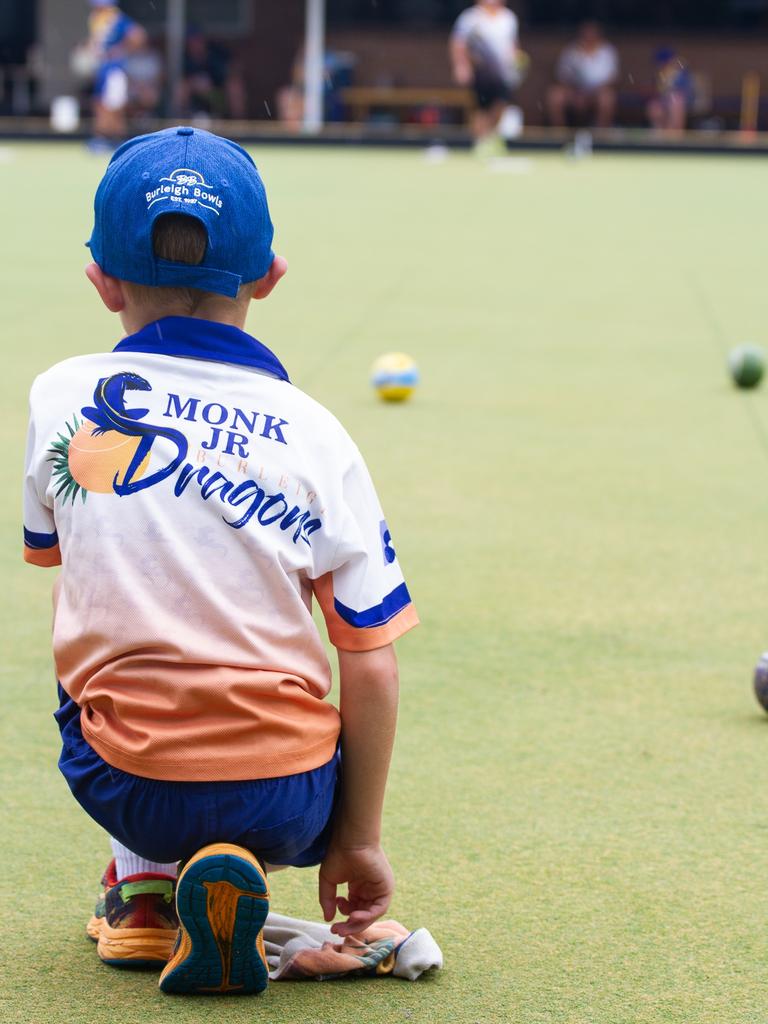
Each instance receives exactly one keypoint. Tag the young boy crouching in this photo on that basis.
(198, 503)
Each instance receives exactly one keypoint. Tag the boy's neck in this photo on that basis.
(135, 320)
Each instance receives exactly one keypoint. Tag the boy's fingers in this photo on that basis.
(327, 894)
(329, 911)
(359, 919)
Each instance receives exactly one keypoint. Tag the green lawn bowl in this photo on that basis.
(746, 364)
(761, 681)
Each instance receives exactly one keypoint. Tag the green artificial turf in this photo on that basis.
(578, 496)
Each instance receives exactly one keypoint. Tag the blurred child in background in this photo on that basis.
(112, 38)
(668, 110)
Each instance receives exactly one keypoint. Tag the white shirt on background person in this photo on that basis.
(588, 70)
(490, 38)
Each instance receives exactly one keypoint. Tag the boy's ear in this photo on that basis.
(109, 288)
(268, 283)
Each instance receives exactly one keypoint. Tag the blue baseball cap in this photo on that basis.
(664, 55)
(195, 173)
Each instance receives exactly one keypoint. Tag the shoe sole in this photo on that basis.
(222, 900)
(131, 947)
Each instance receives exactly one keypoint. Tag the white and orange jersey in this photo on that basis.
(197, 501)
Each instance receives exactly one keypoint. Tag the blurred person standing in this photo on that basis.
(485, 55)
(668, 110)
(112, 38)
(586, 77)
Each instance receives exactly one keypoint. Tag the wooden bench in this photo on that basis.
(360, 100)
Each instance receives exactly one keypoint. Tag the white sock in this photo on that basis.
(129, 863)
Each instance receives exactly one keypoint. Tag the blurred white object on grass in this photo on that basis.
(511, 123)
(65, 114)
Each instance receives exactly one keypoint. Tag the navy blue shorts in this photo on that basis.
(490, 88)
(282, 821)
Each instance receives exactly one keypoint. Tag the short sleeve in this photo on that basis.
(364, 598)
(514, 27)
(41, 541)
(465, 25)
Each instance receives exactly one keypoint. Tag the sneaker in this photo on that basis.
(222, 900)
(492, 147)
(134, 923)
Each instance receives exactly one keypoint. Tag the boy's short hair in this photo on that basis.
(180, 239)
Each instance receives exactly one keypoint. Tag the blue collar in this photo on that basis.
(192, 338)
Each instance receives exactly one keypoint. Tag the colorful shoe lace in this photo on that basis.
(135, 923)
(222, 901)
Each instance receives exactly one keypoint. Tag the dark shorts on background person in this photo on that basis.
(283, 821)
(490, 89)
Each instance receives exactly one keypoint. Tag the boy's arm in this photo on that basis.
(369, 695)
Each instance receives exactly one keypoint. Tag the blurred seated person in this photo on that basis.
(145, 82)
(668, 110)
(338, 68)
(586, 78)
(290, 98)
(210, 85)
(21, 71)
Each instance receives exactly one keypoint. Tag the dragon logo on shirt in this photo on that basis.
(108, 452)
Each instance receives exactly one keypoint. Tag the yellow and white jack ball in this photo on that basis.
(395, 376)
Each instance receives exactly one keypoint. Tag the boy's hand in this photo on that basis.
(370, 885)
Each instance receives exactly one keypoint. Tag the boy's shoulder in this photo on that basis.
(64, 370)
(82, 371)
(322, 415)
